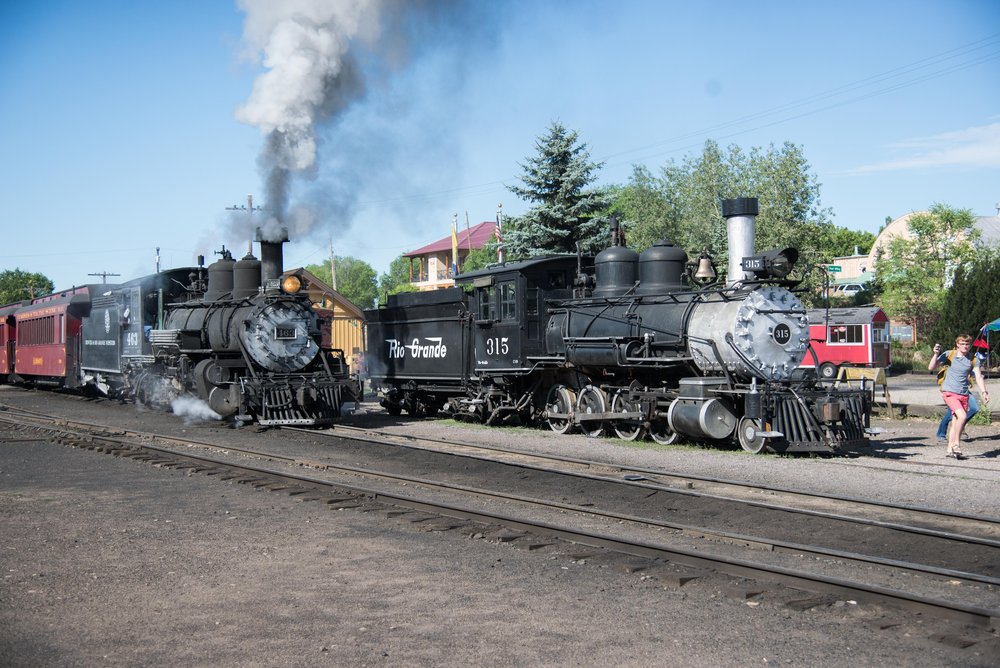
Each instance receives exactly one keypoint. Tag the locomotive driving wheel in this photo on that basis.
(750, 434)
(661, 432)
(628, 429)
(560, 402)
(592, 400)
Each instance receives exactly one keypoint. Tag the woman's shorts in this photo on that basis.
(956, 401)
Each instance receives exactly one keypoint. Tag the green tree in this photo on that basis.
(480, 258)
(840, 241)
(971, 300)
(683, 204)
(649, 210)
(566, 211)
(17, 285)
(397, 279)
(356, 279)
(914, 274)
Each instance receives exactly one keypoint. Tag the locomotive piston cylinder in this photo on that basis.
(699, 414)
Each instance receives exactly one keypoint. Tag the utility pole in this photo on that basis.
(468, 231)
(157, 259)
(249, 208)
(104, 275)
(333, 269)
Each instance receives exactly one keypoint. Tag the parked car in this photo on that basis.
(849, 289)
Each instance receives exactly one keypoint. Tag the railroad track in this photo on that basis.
(863, 511)
(621, 522)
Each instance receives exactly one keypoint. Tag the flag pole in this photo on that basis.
(499, 233)
(454, 244)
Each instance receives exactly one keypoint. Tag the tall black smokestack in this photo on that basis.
(271, 255)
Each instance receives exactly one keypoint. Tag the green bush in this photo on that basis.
(909, 358)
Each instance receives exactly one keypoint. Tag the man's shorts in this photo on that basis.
(956, 401)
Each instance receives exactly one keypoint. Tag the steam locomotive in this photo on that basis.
(245, 341)
(637, 344)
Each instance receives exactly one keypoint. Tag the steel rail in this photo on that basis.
(725, 564)
(933, 512)
(649, 483)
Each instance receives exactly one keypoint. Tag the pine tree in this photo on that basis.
(566, 211)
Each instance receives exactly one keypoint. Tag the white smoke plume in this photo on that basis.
(323, 111)
(306, 47)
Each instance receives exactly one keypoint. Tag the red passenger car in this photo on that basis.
(8, 340)
(48, 338)
(847, 337)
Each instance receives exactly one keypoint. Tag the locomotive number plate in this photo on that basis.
(782, 334)
(284, 332)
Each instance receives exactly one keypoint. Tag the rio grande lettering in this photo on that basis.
(433, 349)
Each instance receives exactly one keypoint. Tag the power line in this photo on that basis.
(882, 77)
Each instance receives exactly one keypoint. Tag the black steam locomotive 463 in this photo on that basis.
(627, 342)
(247, 343)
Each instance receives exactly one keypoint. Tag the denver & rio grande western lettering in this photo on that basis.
(433, 348)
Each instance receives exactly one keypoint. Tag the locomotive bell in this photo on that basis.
(706, 272)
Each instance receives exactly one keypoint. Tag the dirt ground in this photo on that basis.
(113, 562)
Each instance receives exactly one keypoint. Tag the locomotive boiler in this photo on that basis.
(638, 344)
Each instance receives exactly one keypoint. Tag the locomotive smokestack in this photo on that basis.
(271, 256)
(741, 224)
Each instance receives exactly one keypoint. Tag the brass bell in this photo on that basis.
(706, 272)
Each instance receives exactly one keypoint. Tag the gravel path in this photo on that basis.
(110, 561)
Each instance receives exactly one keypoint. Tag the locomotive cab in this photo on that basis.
(510, 305)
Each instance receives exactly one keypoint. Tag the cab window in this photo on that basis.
(508, 301)
(487, 309)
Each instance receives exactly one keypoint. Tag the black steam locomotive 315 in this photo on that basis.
(639, 344)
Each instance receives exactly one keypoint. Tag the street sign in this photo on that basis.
(833, 268)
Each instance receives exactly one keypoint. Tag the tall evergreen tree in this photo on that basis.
(566, 211)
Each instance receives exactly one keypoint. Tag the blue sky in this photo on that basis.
(119, 120)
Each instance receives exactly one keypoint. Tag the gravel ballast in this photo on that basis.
(111, 561)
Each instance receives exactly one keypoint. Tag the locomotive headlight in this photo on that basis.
(775, 263)
(291, 284)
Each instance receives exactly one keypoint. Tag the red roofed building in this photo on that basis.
(430, 266)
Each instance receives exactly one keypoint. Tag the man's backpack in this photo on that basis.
(943, 369)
